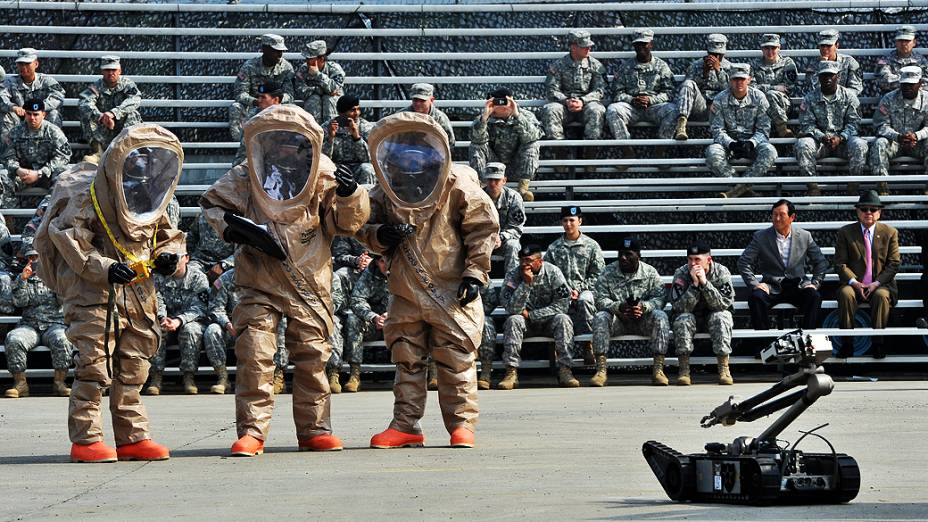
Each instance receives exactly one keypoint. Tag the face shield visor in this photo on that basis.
(147, 178)
(412, 164)
(282, 162)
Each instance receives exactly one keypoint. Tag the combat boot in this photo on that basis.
(354, 379)
(812, 189)
(589, 358)
(683, 375)
(657, 372)
(782, 130)
(724, 374)
(20, 388)
(524, 191)
(59, 386)
(679, 133)
(190, 386)
(599, 378)
(280, 384)
(486, 372)
(566, 379)
(334, 385)
(154, 384)
(882, 188)
(589, 153)
(433, 376)
(222, 381)
(737, 190)
(510, 380)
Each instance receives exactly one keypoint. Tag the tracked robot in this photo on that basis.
(760, 470)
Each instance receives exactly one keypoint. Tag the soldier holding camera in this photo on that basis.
(346, 139)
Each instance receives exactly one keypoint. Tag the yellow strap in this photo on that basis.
(129, 256)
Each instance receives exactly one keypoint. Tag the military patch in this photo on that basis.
(792, 74)
(307, 235)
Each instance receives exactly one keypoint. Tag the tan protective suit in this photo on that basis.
(455, 224)
(76, 254)
(299, 287)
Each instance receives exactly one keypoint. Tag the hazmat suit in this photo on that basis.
(104, 232)
(435, 273)
(297, 202)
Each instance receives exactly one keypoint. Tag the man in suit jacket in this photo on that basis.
(862, 281)
(780, 255)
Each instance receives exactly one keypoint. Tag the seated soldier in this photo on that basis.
(42, 322)
(346, 139)
(511, 211)
(6, 268)
(349, 259)
(630, 300)
(29, 85)
(319, 82)
(422, 100)
(35, 151)
(337, 339)
(270, 67)
(849, 75)
(107, 106)
(901, 122)
(487, 350)
(776, 77)
(536, 297)
(701, 297)
(575, 85)
(889, 68)
(209, 253)
(705, 78)
(370, 299)
(267, 95)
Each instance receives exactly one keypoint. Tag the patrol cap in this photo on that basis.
(34, 105)
(580, 37)
(906, 32)
(828, 37)
(422, 91)
(109, 62)
(630, 243)
(571, 211)
(272, 88)
(26, 55)
(495, 170)
(716, 43)
(770, 40)
(31, 251)
(643, 36)
(910, 74)
(698, 248)
(346, 102)
(740, 70)
(828, 67)
(274, 41)
(501, 92)
(530, 250)
(314, 49)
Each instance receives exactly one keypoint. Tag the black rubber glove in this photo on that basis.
(468, 290)
(166, 263)
(346, 183)
(243, 231)
(392, 235)
(232, 235)
(120, 274)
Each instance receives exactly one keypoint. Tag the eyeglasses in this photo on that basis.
(868, 210)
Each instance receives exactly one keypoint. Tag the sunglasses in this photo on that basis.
(869, 209)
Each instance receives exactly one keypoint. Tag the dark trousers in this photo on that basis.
(807, 300)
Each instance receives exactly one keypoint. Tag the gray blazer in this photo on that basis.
(761, 258)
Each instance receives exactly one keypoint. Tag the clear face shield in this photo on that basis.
(147, 177)
(412, 163)
(283, 162)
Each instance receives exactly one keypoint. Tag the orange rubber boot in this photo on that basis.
(391, 438)
(247, 446)
(462, 438)
(143, 450)
(94, 453)
(324, 442)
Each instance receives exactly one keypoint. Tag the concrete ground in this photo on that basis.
(543, 454)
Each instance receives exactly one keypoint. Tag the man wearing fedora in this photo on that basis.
(867, 260)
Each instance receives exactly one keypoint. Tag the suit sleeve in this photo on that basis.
(893, 260)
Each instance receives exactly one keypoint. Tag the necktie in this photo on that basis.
(868, 259)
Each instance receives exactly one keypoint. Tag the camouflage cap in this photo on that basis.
(34, 105)
(580, 37)
(829, 67)
(422, 91)
(495, 170)
(274, 41)
(740, 70)
(910, 74)
(770, 40)
(30, 251)
(314, 49)
(828, 37)
(643, 36)
(716, 43)
(109, 62)
(698, 248)
(906, 32)
(27, 55)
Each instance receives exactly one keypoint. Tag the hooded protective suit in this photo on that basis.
(454, 223)
(287, 185)
(133, 186)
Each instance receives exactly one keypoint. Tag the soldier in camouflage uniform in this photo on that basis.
(209, 253)
(828, 120)
(34, 152)
(536, 298)
(337, 339)
(268, 94)
(345, 140)
(701, 296)
(269, 67)
(182, 300)
(641, 91)
(850, 75)
(107, 106)
(890, 66)
(511, 212)
(42, 322)
(505, 134)
(705, 78)
(490, 295)
(29, 229)
(319, 82)
(575, 86)
(776, 77)
(29, 85)
(901, 122)
(630, 300)
(422, 100)
(369, 300)
(349, 259)
(6, 280)
(740, 128)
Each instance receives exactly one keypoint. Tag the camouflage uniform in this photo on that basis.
(547, 300)
(369, 298)
(123, 100)
(490, 296)
(698, 307)
(892, 118)
(777, 80)
(584, 80)
(6, 281)
(821, 117)
(252, 74)
(29, 229)
(337, 339)
(319, 92)
(206, 248)
(346, 151)
(45, 150)
(740, 120)
(511, 220)
(42, 322)
(15, 92)
(850, 75)
(173, 211)
(654, 80)
(888, 69)
(512, 141)
(697, 90)
(613, 289)
(183, 299)
(581, 262)
(442, 119)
